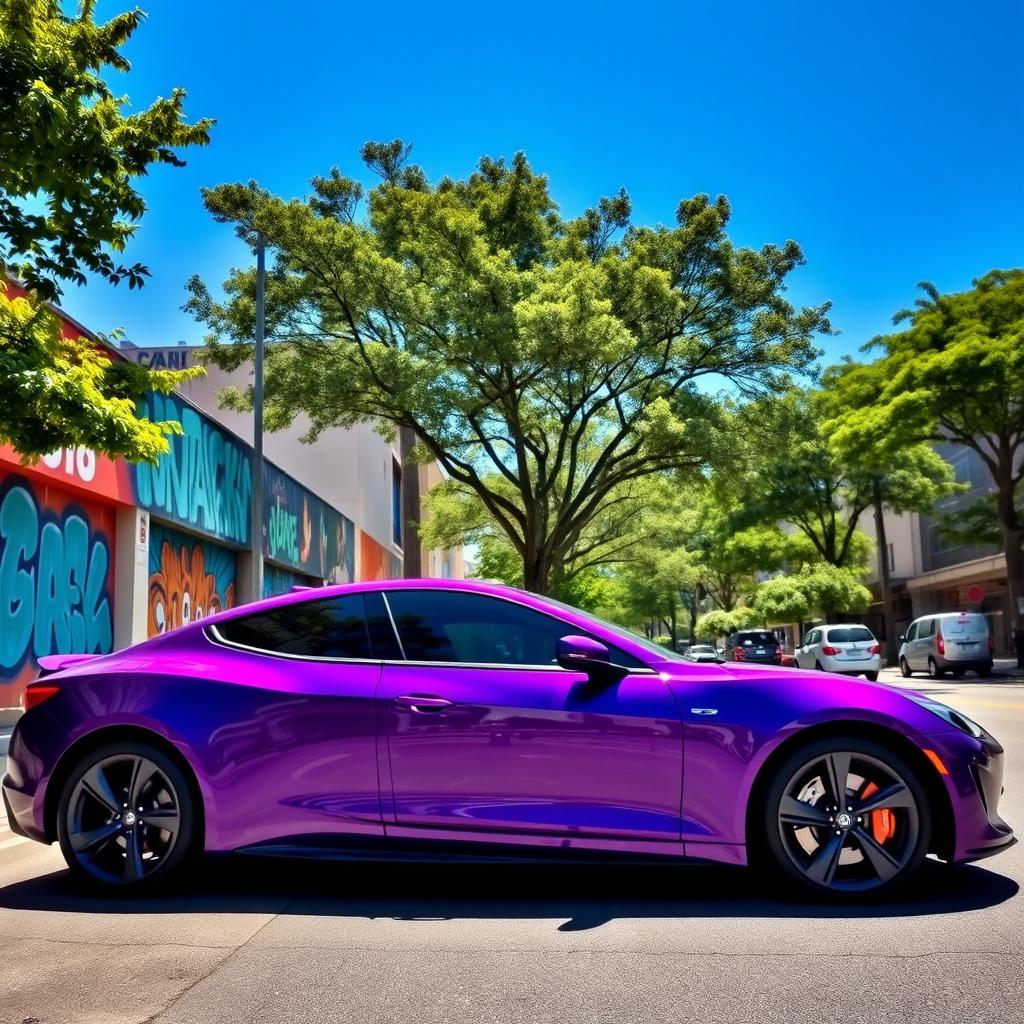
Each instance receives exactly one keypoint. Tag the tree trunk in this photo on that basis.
(888, 612)
(537, 572)
(412, 563)
(1014, 541)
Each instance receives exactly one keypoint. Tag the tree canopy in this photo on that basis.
(954, 372)
(69, 160)
(545, 361)
(819, 588)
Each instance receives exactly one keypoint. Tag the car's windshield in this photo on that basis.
(662, 652)
(849, 635)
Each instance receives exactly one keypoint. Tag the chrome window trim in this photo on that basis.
(391, 619)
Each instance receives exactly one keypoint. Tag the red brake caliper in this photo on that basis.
(883, 821)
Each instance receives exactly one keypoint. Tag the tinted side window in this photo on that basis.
(912, 632)
(331, 628)
(926, 628)
(445, 626)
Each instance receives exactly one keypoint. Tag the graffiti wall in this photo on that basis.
(280, 581)
(304, 533)
(56, 578)
(188, 579)
(204, 481)
(375, 561)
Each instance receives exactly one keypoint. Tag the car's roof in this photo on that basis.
(843, 625)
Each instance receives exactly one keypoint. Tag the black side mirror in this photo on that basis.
(581, 654)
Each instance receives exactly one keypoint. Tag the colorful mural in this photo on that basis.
(280, 581)
(375, 561)
(304, 533)
(56, 578)
(204, 481)
(188, 579)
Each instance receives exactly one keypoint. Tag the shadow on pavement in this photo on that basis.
(586, 897)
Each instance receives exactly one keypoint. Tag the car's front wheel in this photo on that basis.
(905, 668)
(846, 817)
(127, 818)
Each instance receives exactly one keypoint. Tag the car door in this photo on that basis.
(486, 732)
(922, 645)
(804, 658)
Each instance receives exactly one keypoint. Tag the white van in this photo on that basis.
(951, 642)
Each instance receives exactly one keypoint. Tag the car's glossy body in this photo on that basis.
(846, 649)
(664, 761)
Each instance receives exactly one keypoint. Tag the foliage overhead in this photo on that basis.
(559, 355)
(720, 623)
(69, 159)
(801, 474)
(955, 373)
(821, 589)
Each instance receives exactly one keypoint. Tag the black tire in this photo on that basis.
(933, 670)
(871, 677)
(984, 671)
(817, 665)
(958, 673)
(905, 668)
(794, 850)
(137, 848)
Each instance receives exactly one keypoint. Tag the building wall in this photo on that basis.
(350, 469)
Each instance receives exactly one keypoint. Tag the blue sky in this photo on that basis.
(886, 138)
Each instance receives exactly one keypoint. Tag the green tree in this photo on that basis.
(557, 355)
(69, 159)
(720, 623)
(819, 588)
(954, 373)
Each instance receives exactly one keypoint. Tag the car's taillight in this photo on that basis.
(830, 651)
(940, 644)
(874, 649)
(36, 693)
(738, 654)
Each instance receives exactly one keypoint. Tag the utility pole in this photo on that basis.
(884, 578)
(257, 430)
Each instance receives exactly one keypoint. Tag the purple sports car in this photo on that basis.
(428, 718)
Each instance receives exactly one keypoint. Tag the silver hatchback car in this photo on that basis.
(951, 642)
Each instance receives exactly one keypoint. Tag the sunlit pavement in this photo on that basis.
(274, 941)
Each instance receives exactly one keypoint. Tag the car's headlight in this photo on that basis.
(951, 717)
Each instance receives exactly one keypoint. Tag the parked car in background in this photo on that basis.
(954, 642)
(756, 645)
(849, 649)
(701, 652)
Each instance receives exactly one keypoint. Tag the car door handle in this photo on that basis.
(424, 705)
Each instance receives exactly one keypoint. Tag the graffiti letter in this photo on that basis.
(19, 529)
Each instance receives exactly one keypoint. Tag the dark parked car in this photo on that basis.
(756, 645)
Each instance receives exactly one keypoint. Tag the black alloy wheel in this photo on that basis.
(847, 818)
(126, 820)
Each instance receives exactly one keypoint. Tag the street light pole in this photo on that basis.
(257, 433)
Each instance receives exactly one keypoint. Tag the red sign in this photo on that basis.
(77, 469)
(975, 593)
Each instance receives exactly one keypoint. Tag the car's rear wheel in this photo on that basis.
(846, 817)
(871, 677)
(933, 670)
(818, 665)
(985, 670)
(905, 668)
(127, 818)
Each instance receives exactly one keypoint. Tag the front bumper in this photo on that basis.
(974, 782)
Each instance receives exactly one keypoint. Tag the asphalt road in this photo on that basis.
(277, 942)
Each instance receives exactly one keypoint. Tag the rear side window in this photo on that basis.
(332, 628)
(926, 628)
(755, 636)
(850, 635)
(474, 628)
(964, 625)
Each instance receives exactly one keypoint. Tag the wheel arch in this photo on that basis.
(115, 734)
(943, 839)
